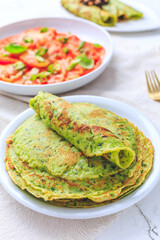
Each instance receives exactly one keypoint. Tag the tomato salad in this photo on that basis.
(44, 56)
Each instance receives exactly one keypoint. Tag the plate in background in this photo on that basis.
(150, 20)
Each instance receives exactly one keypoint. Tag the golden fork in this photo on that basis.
(153, 85)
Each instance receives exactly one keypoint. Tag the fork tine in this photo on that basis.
(151, 80)
(154, 81)
(157, 80)
(147, 79)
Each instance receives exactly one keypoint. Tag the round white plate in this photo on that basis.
(85, 30)
(119, 108)
(150, 20)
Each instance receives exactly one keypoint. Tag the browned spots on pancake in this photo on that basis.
(70, 158)
(124, 133)
(47, 108)
(97, 113)
(104, 131)
(63, 119)
(10, 139)
(65, 105)
(47, 105)
(80, 128)
(121, 125)
(9, 163)
(74, 184)
(53, 121)
(71, 183)
(50, 114)
(48, 132)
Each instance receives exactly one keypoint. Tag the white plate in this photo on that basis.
(85, 30)
(150, 20)
(119, 108)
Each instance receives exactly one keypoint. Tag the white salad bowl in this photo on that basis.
(85, 30)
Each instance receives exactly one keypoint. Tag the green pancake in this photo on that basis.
(92, 13)
(123, 11)
(43, 148)
(98, 190)
(82, 131)
(51, 168)
(42, 185)
(106, 15)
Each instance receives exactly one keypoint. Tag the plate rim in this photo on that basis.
(71, 213)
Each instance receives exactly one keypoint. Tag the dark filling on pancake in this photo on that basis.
(98, 3)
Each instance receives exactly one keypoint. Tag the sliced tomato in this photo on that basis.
(55, 50)
(72, 75)
(73, 41)
(7, 41)
(7, 60)
(56, 78)
(39, 38)
(75, 73)
(9, 74)
(29, 58)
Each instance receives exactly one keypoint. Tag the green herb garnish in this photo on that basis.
(34, 74)
(41, 51)
(33, 77)
(83, 60)
(97, 45)
(39, 58)
(63, 40)
(28, 40)
(15, 48)
(45, 29)
(73, 64)
(50, 68)
(54, 68)
(43, 74)
(65, 50)
(81, 45)
(19, 65)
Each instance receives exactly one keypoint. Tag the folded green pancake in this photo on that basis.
(44, 149)
(92, 13)
(122, 10)
(104, 15)
(83, 132)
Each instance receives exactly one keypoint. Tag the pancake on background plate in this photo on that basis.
(103, 12)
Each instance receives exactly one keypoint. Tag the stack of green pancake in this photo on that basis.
(77, 154)
(105, 13)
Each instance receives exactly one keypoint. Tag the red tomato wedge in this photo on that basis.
(7, 60)
(44, 56)
(29, 58)
(9, 74)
